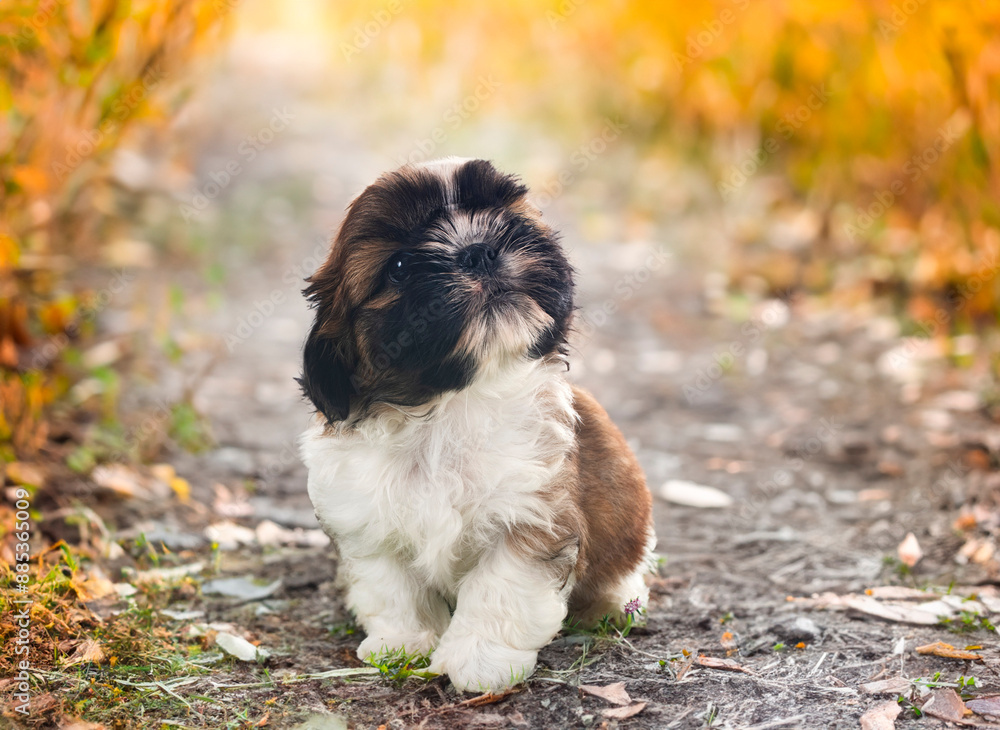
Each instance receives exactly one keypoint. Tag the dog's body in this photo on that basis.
(474, 494)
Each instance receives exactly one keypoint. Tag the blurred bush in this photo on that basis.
(77, 78)
(879, 118)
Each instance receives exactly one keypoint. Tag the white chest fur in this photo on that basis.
(438, 489)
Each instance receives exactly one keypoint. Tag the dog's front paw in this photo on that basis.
(477, 664)
(378, 645)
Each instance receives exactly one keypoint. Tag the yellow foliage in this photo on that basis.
(855, 102)
(76, 76)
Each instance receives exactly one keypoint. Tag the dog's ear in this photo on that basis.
(326, 375)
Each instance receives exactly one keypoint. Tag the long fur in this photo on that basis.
(474, 495)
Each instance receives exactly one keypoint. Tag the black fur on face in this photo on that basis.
(440, 273)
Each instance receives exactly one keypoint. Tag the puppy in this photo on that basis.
(475, 496)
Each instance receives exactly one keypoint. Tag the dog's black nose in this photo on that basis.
(479, 258)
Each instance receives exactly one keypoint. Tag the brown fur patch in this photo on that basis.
(616, 506)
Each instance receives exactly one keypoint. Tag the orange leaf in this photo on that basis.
(939, 648)
(32, 179)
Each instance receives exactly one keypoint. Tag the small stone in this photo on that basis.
(797, 629)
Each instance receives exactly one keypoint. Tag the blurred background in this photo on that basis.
(844, 150)
(171, 171)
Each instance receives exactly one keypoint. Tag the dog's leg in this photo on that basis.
(396, 611)
(509, 606)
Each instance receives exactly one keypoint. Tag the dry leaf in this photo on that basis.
(894, 686)
(873, 495)
(958, 400)
(167, 574)
(623, 713)
(181, 488)
(965, 521)
(613, 693)
(245, 588)
(989, 706)
(239, 647)
(229, 535)
(899, 613)
(685, 667)
(909, 550)
(716, 663)
(900, 593)
(984, 554)
(939, 648)
(891, 468)
(120, 480)
(94, 587)
(163, 472)
(21, 472)
(972, 547)
(75, 723)
(945, 704)
(881, 716)
(689, 494)
(88, 652)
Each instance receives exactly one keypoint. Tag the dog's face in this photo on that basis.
(440, 274)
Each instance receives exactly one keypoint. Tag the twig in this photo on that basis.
(556, 680)
(767, 666)
(162, 685)
(348, 672)
(817, 665)
(633, 648)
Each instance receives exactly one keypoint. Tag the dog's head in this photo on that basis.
(440, 274)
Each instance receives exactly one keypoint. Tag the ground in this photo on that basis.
(827, 467)
(832, 436)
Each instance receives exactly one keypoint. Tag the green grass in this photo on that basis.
(968, 622)
(608, 627)
(139, 661)
(189, 428)
(397, 665)
(608, 631)
(344, 628)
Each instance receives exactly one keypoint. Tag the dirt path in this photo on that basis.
(826, 468)
(828, 457)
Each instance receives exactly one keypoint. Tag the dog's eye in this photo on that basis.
(398, 269)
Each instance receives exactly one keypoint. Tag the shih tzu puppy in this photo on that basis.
(475, 496)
